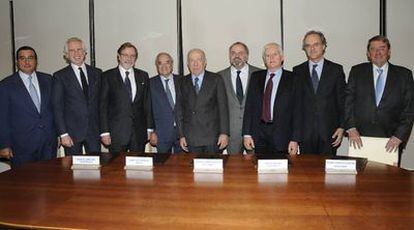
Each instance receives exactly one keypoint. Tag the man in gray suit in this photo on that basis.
(202, 115)
(236, 80)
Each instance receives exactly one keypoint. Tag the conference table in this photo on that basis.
(50, 195)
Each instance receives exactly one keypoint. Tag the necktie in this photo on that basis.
(196, 85)
(266, 116)
(84, 83)
(169, 94)
(315, 79)
(379, 89)
(239, 87)
(128, 85)
(33, 94)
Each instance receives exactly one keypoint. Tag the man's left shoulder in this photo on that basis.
(44, 76)
(403, 71)
(93, 69)
(141, 73)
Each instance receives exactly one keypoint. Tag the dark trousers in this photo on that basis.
(169, 147)
(91, 145)
(264, 144)
(134, 144)
(317, 145)
(204, 149)
(46, 149)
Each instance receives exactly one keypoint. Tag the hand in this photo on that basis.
(392, 144)
(248, 143)
(338, 135)
(354, 138)
(223, 141)
(66, 141)
(183, 144)
(6, 153)
(106, 139)
(293, 148)
(153, 139)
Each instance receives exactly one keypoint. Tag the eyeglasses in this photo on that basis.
(315, 45)
(29, 58)
(126, 56)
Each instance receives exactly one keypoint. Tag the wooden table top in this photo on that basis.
(50, 195)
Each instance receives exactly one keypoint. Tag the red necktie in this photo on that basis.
(266, 116)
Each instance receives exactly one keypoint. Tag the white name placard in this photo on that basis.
(272, 166)
(138, 163)
(85, 162)
(340, 166)
(208, 165)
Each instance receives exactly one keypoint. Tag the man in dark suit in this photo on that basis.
(272, 117)
(76, 101)
(125, 105)
(26, 117)
(164, 89)
(202, 113)
(236, 80)
(323, 91)
(379, 98)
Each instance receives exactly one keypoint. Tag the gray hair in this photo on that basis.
(271, 44)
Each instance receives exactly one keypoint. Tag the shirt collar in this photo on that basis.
(319, 63)
(76, 67)
(122, 70)
(166, 77)
(245, 69)
(200, 76)
(384, 67)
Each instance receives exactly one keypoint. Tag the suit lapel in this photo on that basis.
(369, 80)
(308, 81)
(23, 91)
(44, 93)
(324, 76)
(227, 78)
(91, 80)
(74, 80)
(390, 82)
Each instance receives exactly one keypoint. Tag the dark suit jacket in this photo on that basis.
(164, 115)
(287, 117)
(73, 113)
(395, 114)
(118, 115)
(202, 118)
(23, 128)
(323, 111)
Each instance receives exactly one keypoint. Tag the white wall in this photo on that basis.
(6, 63)
(215, 24)
(150, 25)
(347, 26)
(46, 24)
(401, 34)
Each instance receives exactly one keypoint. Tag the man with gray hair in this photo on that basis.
(272, 118)
(236, 79)
(202, 114)
(76, 101)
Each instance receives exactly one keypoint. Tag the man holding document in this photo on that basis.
(379, 99)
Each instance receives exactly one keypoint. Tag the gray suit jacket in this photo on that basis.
(202, 118)
(236, 110)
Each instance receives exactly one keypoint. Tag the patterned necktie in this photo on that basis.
(266, 116)
(315, 79)
(169, 94)
(128, 85)
(239, 87)
(84, 84)
(196, 85)
(33, 94)
(379, 89)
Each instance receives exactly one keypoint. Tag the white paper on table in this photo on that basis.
(373, 148)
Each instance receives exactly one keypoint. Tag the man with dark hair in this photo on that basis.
(26, 116)
(125, 105)
(380, 98)
(76, 101)
(236, 78)
(323, 91)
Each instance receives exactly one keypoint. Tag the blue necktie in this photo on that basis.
(239, 87)
(196, 85)
(379, 89)
(33, 94)
(128, 85)
(169, 94)
(315, 79)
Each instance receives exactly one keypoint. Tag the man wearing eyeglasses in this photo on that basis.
(26, 116)
(125, 104)
(75, 101)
